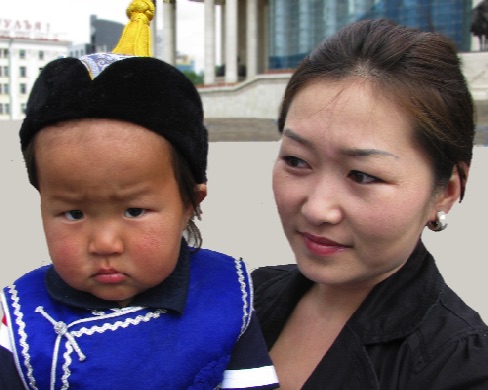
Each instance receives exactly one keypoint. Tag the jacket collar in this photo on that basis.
(393, 309)
(397, 305)
(169, 295)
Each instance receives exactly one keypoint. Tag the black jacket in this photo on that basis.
(411, 333)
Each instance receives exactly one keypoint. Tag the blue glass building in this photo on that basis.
(296, 26)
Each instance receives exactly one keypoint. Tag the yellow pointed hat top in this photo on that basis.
(136, 37)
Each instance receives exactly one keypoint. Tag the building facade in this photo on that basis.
(257, 39)
(295, 27)
(25, 47)
(266, 36)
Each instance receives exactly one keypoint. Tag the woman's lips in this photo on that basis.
(322, 246)
(109, 276)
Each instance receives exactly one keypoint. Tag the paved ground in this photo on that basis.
(241, 129)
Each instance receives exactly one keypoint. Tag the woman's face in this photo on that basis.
(353, 189)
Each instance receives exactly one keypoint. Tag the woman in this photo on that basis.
(377, 134)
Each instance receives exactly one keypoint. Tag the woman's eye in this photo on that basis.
(363, 178)
(74, 215)
(295, 162)
(134, 212)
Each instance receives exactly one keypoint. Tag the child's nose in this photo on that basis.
(105, 240)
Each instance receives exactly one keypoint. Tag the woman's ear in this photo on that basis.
(453, 190)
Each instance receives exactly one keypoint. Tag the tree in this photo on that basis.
(196, 79)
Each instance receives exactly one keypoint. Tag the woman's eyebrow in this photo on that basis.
(350, 152)
(366, 152)
(295, 137)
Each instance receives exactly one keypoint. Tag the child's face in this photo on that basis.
(111, 208)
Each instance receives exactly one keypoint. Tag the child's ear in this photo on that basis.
(201, 190)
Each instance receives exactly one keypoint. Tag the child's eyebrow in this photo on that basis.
(65, 197)
(76, 197)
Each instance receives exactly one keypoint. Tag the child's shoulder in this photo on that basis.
(35, 274)
(217, 265)
(210, 255)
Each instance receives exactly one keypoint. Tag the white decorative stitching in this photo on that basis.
(54, 362)
(103, 315)
(23, 336)
(245, 308)
(118, 324)
(61, 330)
(97, 62)
(67, 362)
(71, 345)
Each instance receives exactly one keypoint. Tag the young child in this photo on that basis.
(117, 148)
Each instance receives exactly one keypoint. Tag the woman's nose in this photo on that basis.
(322, 205)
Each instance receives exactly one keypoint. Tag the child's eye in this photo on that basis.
(74, 215)
(295, 162)
(362, 178)
(134, 212)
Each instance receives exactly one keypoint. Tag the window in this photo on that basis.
(23, 108)
(4, 71)
(4, 53)
(4, 109)
(23, 71)
(22, 54)
(4, 89)
(41, 55)
(23, 88)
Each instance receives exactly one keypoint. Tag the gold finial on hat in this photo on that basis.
(136, 37)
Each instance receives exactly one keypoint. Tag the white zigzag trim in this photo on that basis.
(90, 331)
(23, 336)
(104, 315)
(119, 324)
(245, 306)
(66, 370)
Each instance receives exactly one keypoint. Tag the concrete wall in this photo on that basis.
(261, 97)
(475, 68)
(258, 98)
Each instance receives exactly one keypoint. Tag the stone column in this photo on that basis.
(222, 33)
(231, 41)
(209, 36)
(251, 39)
(157, 30)
(169, 31)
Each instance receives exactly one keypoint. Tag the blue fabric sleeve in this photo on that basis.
(9, 377)
(250, 366)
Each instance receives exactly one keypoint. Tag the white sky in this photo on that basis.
(73, 18)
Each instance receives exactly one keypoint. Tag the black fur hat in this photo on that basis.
(142, 90)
